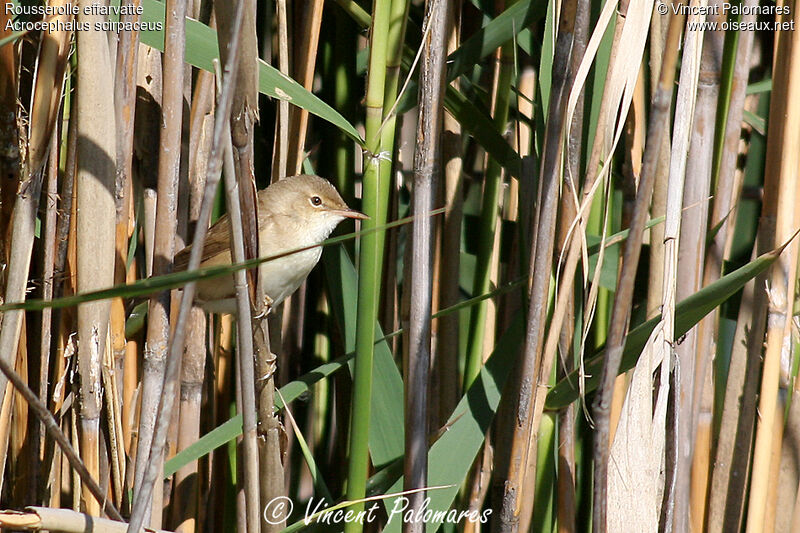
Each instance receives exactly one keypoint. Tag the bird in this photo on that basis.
(294, 212)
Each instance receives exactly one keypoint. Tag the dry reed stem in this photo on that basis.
(619, 315)
(245, 357)
(150, 74)
(244, 109)
(158, 324)
(177, 343)
(240, 181)
(532, 369)
(732, 461)
(697, 345)
(566, 506)
(95, 228)
(60, 521)
(188, 488)
(124, 105)
(244, 113)
(426, 174)
(450, 237)
(780, 205)
(48, 266)
(305, 62)
(187, 485)
(281, 153)
(658, 29)
(727, 191)
(526, 87)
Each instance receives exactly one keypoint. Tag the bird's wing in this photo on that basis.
(218, 236)
(217, 242)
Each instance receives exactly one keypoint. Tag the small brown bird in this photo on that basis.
(292, 213)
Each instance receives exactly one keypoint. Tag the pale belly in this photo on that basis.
(283, 276)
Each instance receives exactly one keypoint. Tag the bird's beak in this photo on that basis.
(350, 213)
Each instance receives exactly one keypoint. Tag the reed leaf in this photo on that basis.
(687, 313)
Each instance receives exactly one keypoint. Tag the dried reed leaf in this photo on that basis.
(636, 480)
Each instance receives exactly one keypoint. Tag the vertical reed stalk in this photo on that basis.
(244, 328)
(158, 326)
(691, 258)
(702, 178)
(244, 212)
(567, 441)
(726, 507)
(96, 217)
(522, 426)
(452, 187)
(49, 238)
(623, 297)
(780, 205)
(305, 61)
(374, 195)
(493, 181)
(173, 369)
(526, 87)
(658, 208)
(674, 277)
(426, 171)
(281, 154)
(188, 487)
(124, 106)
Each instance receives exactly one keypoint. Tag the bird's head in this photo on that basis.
(311, 201)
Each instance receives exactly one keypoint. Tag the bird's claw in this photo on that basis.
(267, 306)
(271, 371)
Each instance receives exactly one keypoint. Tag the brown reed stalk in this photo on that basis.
(426, 173)
(305, 58)
(166, 224)
(566, 505)
(244, 114)
(622, 300)
(280, 155)
(780, 205)
(693, 352)
(449, 258)
(188, 486)
(176, 347)
(95, 228)
(48, 266)
(541, 266)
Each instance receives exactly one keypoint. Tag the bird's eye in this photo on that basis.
(316, 201)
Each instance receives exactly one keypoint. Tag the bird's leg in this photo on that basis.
(267, 307)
